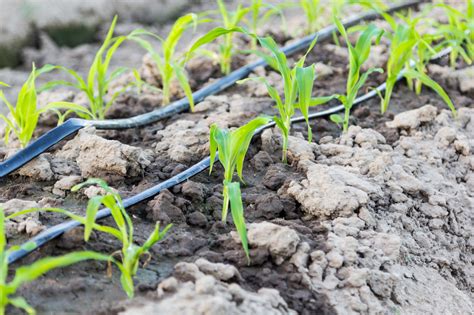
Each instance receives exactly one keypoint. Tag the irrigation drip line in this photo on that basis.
(59, 229)
(72, 125)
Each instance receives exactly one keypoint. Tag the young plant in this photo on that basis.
(358, 54)
(232, 147)
(96, 85)
(298, 89)
(23, 117)
(459, 32)
(313, 10)
(32, 272)
(230, 21)
(405, 41)
(170, 66)
(260, 13)
(130, 253)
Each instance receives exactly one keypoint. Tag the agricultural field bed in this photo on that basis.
(374, 220)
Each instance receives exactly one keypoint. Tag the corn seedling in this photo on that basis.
(313, 10)
(298, 89)
(232, 147)
(170, 66)
(404, 42)
(23, 117)
(358, 54)
(97, 83)
(423, 51)
(130, 253)
(459, 32)
(31, 272)
(230, 21)
(260, 13)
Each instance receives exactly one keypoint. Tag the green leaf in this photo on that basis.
(3, 238)
(20, 302)
(426, 80)
(183, 81)
(127, 284)
(337, 119)
(210, 37)
(106, 229)
(79, 109)
(176, 32)
(281, 62)
(240, 141)
(304, 78)
(212, 146)
(279, 122)
(237, 211)
(91, 211)
(29, 273)
(155, 236)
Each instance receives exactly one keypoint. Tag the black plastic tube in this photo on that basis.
(59, 229)
(49, 139)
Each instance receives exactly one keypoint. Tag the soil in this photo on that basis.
(375, 221)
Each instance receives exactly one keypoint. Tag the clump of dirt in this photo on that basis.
(99, 157)
(207, 288)
(394, 214)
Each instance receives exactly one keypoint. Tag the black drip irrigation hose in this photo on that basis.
(59, 229)
(71, 126)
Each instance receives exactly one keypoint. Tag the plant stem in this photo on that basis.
(418, 86)
(285, 140)
(226, 54)
(388, 95)
(166, 92)
(347, 112)
(225, 204)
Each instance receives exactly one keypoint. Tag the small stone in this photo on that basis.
(38, 169)
(335, 260)
(261, 160)
(412, 119)
(168, 285)
(436, 224)
(196, 218)
(433, 211)
(221, 271)
(357, 277)
(269, 205)
(163, 209)
(30, 226)
(194, 191)
(462, 146)
(274, 177)
(301, 257)
(445, 136)
(381, 283)
(205, 285)
(66, 183)
(281, 241)
(331, 282)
